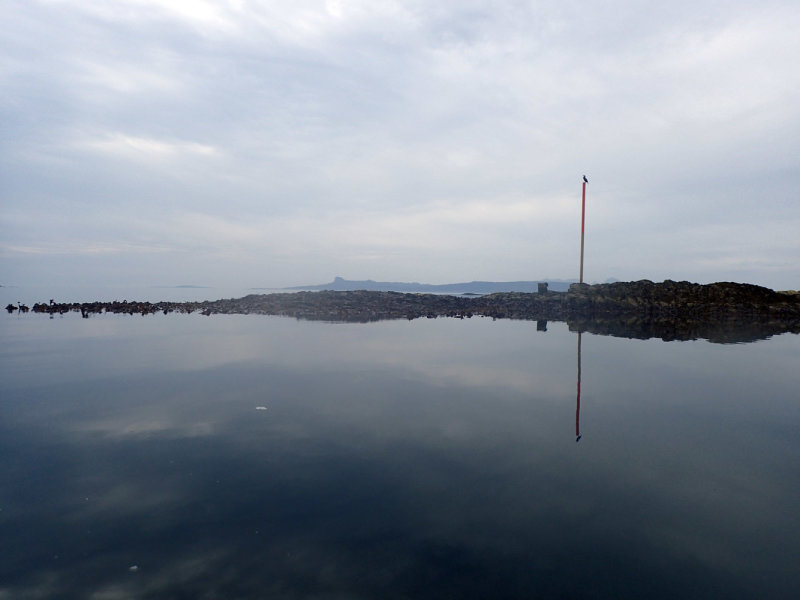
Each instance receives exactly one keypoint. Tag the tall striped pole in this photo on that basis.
(583, 221)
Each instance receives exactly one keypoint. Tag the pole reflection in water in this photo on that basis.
(578, 407)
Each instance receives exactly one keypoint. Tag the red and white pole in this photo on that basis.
(583, 224)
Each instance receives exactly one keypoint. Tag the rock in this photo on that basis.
(670, 310)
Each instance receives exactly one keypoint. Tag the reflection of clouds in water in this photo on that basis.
(129, 498)
(385, 516)
(470, 352)
(135, 425)
(378, 516)
(378, 465)
(454, 352)
(116, 580)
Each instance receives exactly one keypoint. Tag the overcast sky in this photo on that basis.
(280, 143)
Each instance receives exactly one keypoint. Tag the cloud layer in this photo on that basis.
(265, 143)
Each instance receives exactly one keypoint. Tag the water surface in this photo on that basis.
(242, 456)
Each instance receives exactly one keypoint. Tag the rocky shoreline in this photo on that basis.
(669, 310)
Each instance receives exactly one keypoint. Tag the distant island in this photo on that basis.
(671, 310)
(340, 284)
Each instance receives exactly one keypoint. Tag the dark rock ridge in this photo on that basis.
(722, 312)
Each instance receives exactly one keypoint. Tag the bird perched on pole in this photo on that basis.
(585, 180)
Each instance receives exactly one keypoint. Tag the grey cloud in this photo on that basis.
(679, 113)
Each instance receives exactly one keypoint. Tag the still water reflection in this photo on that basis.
(578, 404)
(261, 457)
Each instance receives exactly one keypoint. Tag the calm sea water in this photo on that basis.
(184, 456)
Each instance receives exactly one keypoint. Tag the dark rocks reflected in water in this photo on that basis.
(252, 457)
(722, 331)
(725, 312)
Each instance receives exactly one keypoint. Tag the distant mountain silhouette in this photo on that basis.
(472, 287)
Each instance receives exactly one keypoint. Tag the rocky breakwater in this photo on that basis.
(639, 309)
(349, 306)
(98, 307)
(344, 306)
(681, 299)
(719, 312)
